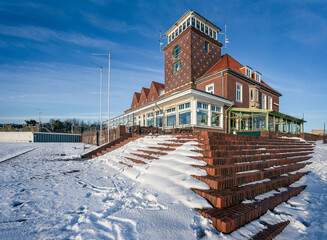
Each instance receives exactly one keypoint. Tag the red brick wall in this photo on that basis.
(194, 60)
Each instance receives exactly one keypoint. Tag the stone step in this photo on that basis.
(224, 182)
(229, 219)
(248, 158)
(220, 170)
(227, 197)
(179, 140)
(271, 231)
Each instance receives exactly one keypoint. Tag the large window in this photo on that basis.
(159, 119)
(150, 119)
(202, 117)
(264, 101)
(215, 116)
(171, 120)
(177, 67)
(202, 114)
(239, 92)
(184, 118)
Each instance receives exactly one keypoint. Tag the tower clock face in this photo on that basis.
(176, 51)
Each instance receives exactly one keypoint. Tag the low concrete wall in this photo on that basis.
(16, 137)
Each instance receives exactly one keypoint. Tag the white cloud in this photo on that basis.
(40, 34)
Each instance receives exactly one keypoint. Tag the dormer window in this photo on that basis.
(257, 76)
(246, 71)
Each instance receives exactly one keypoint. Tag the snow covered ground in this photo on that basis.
(46, 193)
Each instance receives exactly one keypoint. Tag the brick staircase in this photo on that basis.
(239, 169)
(108, 147)
(242, 167)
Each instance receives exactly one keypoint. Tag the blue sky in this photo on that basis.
(46, 51)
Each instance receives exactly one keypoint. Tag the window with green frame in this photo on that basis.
(176, 51)
(177, 67)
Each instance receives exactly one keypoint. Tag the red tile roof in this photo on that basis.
(227, 62)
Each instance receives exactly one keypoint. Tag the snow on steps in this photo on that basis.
(238, 168)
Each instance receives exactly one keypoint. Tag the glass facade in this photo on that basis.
(184, 118)
(202, 118)
(171, 120)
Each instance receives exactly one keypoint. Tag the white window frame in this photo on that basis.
(270, 101)
(264, 101)
(213, 88)
(241, 92)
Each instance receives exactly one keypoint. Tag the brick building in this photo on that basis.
(206, 89)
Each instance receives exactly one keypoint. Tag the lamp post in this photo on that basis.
(101, 71)
(109, 71)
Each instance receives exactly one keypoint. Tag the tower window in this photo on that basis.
(210, 32)
(197, 24)
(206, 46)
(180, 29)
(177, 67)
(184, 26)
(176, 51)
(214, 35)
(176, 33)
(188, 22)
(193, 22)
(206, 30)
(202, 27)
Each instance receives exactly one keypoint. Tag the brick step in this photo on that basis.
(231, 137)
(244, 152)
(173, 145)
(224, 182)
(229, 219)
(128, 165)
(248, 158)
(220, 170)
(152, 152)
(179, 140)
(242, 143)
(135, 160)
(216, 135)
(227, 197)
(271, 231)
(163, 148)
(145, 156)
(238, 147)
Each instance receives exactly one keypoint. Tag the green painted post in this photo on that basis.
(229, 122)
(274, 125)
(252, 122)
(292, 126)
(267, 120)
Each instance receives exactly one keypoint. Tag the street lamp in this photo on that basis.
(109, 70)
(101, 70)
